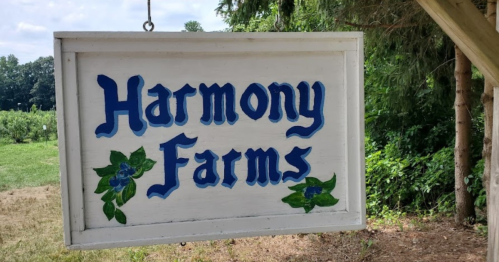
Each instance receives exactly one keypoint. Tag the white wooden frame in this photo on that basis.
(68, 45)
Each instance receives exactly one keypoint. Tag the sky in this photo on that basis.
(27, 26)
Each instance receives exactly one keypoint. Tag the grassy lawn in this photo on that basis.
(28, 165)
(31, 229)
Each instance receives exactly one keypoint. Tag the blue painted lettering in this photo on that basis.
(171, 165)
(263, 101)
(289, 102)
(316, 113)
(268, 166)
(181, 96)
(230, 159)
(164, 118)
(297, 159)
(218, 93)
(132, 106)
(210, 167)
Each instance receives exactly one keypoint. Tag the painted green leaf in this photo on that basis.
(120, 216)
(329, 185)
(138, 157)
(109, 196)
(295, 200)
(119, 199)
(324, 200)
(138, 173)
(117, 157)
(308, 207)
(103, 185)
(148, 164)
(109, 210)
(312, 181)
(106, 171)
(298, 188)
(129, 191)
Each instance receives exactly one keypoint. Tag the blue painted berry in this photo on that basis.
(122, 178)
(311, 191)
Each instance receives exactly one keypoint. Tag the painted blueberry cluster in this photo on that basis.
(312, 193)
(122, 178)
(118, 181)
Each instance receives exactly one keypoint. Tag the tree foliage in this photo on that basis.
(22, 85)
(193, 26)
(409, 92)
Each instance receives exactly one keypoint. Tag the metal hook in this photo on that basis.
(149, 22)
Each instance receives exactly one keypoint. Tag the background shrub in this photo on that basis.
(18, 126)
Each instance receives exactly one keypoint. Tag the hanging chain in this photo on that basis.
(148, 22)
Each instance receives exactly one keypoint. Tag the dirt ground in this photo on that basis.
(31, 229)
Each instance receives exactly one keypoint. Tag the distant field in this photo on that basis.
(28, 165)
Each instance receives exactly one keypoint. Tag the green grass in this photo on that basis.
(28, 165)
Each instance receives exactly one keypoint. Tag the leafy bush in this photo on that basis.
(14, 125)
(18, 126)
(474, 182)
(406, 182)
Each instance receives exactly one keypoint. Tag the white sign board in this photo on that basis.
(174, 137)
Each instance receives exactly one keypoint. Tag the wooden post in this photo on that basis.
(487, 100)
(493, 212)
(493, 201)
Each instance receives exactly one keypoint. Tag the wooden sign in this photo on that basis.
(174, 137)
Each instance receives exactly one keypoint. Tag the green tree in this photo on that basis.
(25, 81)
(22, 85)
(43, 90)
(193, 26)
(465, 207)
(10, 71)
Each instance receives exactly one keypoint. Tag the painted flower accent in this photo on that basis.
(118, 181)
(312, 193)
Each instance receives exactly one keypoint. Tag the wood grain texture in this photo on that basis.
(61, 132)
(465, 207)
(493, 212)
(487, 100)
(493, 200)
(192, 213)
(469, 29)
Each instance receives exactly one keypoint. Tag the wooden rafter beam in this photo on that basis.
(469, 29)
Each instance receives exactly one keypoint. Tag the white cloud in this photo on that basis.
(29, 28)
